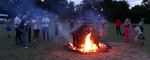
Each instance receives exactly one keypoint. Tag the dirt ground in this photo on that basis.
(119, 51)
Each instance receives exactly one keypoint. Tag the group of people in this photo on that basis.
(24, 25)
(126, 27)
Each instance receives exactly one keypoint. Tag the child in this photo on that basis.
(8, 28)
(138, 34)
(36, 28)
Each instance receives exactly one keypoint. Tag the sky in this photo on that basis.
(131, 2)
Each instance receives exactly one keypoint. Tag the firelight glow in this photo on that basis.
(88, 45)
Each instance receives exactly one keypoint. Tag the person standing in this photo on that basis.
(118, 25)
(29, 24)
(141, 23)
(127, 24)
(103, 24)
(45, 28)
(56, 25)
(23, 27)
(17, 21)
(138, 34)
(36, 28)
(8, 27)
(72, 22)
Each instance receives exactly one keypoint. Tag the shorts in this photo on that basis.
(8, 29)
(138, 37)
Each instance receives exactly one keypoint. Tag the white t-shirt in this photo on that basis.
(17, 21)
(35, 24)
(138, 29)
(45, 22)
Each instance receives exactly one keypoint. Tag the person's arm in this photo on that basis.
(48, 21)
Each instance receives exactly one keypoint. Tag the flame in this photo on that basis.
(88, 45)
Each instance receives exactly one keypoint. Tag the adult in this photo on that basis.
(103, 24)
(36, 28)
(57, 23)
(127, 25)
(72, 22)
(17, 21)
(45, 28)
(118, 25)
(23, 26)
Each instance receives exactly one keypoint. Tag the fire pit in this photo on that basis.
(86, 40)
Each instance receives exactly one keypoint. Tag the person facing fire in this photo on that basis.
(72, 22)
(103, 24)
(23, 26)
(138, 34)
(57, 24)
(36, 27)
(45, 28)
(17, 21)
(127, 24)
(118, 25)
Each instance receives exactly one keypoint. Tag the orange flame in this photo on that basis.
(88, 45)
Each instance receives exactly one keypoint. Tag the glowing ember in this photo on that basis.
(88, 45)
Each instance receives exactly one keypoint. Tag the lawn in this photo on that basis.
(44, 50)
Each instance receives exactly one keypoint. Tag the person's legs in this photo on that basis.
(56, 30)
(34, 34)
(24, 38)
(127, 39)
(119, 31)
(29, 35)
(17, 36)
(47, 33)
(44, 32)
(38, 31)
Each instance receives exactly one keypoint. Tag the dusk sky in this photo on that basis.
(131, 2)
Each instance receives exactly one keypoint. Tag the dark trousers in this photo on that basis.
(18, 36)
(118, 31)
(56, 30)
(29, 35)
(141, 29)
(142, 32)
(36, 33)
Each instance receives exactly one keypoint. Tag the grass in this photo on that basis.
(39, 50)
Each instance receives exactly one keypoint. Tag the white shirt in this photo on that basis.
(35, 24)
(17, 21)
(138, 29)
(45, 22)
